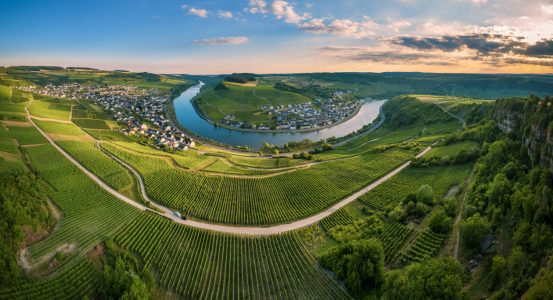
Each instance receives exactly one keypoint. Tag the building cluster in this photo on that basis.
(125, 102)
(307, 115)
(168, 135)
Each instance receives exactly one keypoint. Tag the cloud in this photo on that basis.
(280, 8)
(257, 6)
(202, 13)
(548, 10)
(184, 6)
(340, 27)
(224, 14)
(388, 56)
(396, 26)
(222, 41)
(308, 5)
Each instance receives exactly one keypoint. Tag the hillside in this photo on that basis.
(246, 234)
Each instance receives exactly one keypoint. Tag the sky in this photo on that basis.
(258, 36)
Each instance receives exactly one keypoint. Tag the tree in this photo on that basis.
(461, 156)
(265, 145)
(425, 194)
(450, 206)
(358, 263)
(440, 222)
(276, 152)
(260, 153)
(432, 279)
(499, 270)
(398, 214)
(472, 231)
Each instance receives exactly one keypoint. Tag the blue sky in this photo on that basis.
(212, 37)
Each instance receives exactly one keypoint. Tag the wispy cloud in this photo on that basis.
(281, 9)
(222, 41)
(308, 4)
(224, 14)
(202, 13)
(340, 27)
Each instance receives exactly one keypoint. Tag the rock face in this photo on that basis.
(487, 244)
(540, 139)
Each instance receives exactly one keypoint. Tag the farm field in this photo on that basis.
(259, 201)
(59, 128)
(195, 263)
(42, 109)
(410, 179)
(24, 134)
(337, 218)
(221, 166)
(91, 212)
(267, 163)
(98, 163)
(425, 245)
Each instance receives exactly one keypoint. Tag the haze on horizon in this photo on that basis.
(215, 37)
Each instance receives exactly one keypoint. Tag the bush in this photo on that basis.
(499, 270)
(59, 256)
(440, 222)
(425, 194)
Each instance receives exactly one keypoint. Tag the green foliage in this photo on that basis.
(359, 263)
(220, 86)
(424, 247)
(59, 256)
(424, 194)
(472, 231)
(407, 110)
(23, 202)
(440, 222)
(499, 270)
(91, 123)
(240, 78)
(77, 282)
(404, 185)
(432, 279)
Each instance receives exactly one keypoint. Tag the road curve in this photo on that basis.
(215, 227)
(447, 111)
(370, 130)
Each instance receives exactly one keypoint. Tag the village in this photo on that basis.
(139, 111)
(321, 113)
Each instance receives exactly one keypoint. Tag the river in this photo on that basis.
(188, 118)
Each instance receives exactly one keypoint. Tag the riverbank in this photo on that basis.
(280, 131)
(189, 120)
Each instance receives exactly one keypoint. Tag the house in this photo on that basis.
(182, 147)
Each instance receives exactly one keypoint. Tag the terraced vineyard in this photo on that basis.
(24, 134)
(221, 166)
(91, 213)
(259, 201)
(199, 264)
(392, 237)
(41, 109)
(267, 163)
(449, 150)
(98, 163)
(394, 137)
(426, 245)
(59, 128)
(337, 218)
(91, 123)
(75, 283)
(410, 179)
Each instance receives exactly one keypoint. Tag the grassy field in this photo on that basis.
(25, 135)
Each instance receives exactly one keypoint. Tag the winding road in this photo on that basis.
(214, 227)
(447, 111)
(364, 133)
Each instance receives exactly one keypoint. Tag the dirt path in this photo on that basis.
(458, 218)
(260, 96)
(46, 119)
